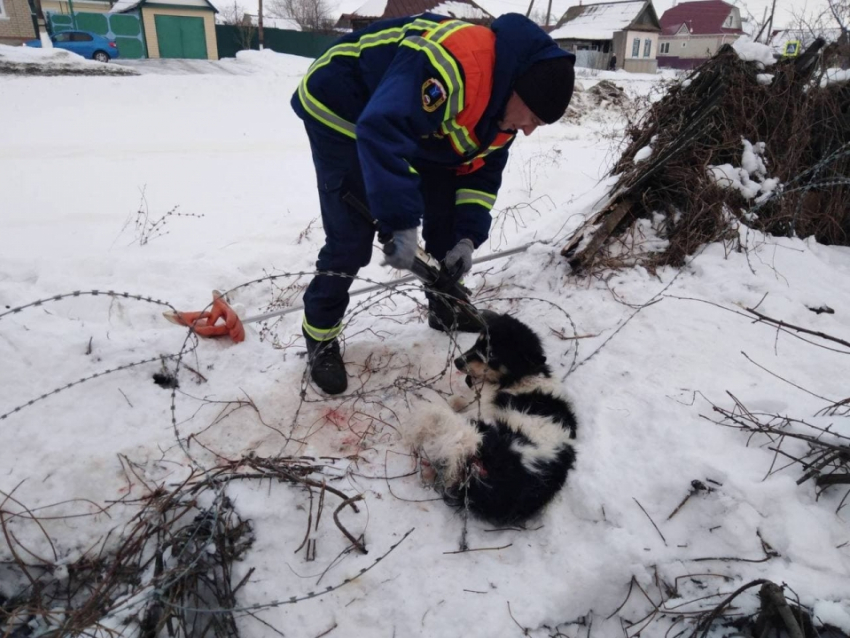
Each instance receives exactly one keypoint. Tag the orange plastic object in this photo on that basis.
(206, 324)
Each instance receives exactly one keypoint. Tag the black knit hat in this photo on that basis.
(547, 86)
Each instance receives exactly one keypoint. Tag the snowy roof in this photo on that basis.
(372, 9)
(703, 18)
(462, 10)
(466, 9)
(597, 21)
(122, 6)
(125, 5)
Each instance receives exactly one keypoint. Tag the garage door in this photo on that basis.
(181, 37)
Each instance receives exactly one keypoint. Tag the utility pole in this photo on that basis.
(260, 26)
(530, 4)
(763, 25)
(769, 35)
(548, 12)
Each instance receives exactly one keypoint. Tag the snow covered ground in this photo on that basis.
(644, 356)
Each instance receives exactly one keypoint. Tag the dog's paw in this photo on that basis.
(445, 439)
(426, 419)
(427, 471)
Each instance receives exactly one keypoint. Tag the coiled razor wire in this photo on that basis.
(813, 171)
(190, 343)
(313, 594)
(91, 293)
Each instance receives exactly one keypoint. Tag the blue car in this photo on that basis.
(84, 43)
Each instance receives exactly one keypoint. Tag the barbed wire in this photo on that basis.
(191, 553)
(85, 293)
(72, 384)
(190, 342)
(313, 594)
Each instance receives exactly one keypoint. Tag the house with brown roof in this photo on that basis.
(16, 22)
(375, 10)
(596, 33)
(692, 32)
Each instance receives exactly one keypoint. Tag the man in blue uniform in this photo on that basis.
(415, 117)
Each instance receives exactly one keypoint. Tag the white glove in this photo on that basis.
(403, 249)
(459, 259)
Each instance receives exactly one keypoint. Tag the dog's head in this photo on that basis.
(505, 351)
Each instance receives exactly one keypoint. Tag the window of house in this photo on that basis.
(684, 44)
(2, 10)
(665, 48)
(636, 48)
(647, 48)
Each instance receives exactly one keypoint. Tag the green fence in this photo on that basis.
(309, 45)
(124, 28)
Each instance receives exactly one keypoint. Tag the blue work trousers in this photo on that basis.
(349, 236)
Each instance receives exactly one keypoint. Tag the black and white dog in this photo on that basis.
(510, 461)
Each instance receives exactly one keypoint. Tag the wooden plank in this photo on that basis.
(611, 218)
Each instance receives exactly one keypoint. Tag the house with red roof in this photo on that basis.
(692, 32)
(374, 10)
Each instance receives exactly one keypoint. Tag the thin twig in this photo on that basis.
(651, 521)
(358, 544)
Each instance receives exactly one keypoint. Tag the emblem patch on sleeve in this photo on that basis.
(433, 95)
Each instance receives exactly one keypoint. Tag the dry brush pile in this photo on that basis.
(169, 571)
(793, 123)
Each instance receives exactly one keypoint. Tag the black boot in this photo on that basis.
(445, 316)
(326, 366)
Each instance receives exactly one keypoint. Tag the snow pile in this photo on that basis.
(34, 55)
(751, 178)
(272, 62)
(754, 52)
(835, 76)
(833, 613)
(602, 100)
(765, 79)
(643, 154)
(26, 60)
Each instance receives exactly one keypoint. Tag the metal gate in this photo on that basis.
(181, 37)
(124, 28)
